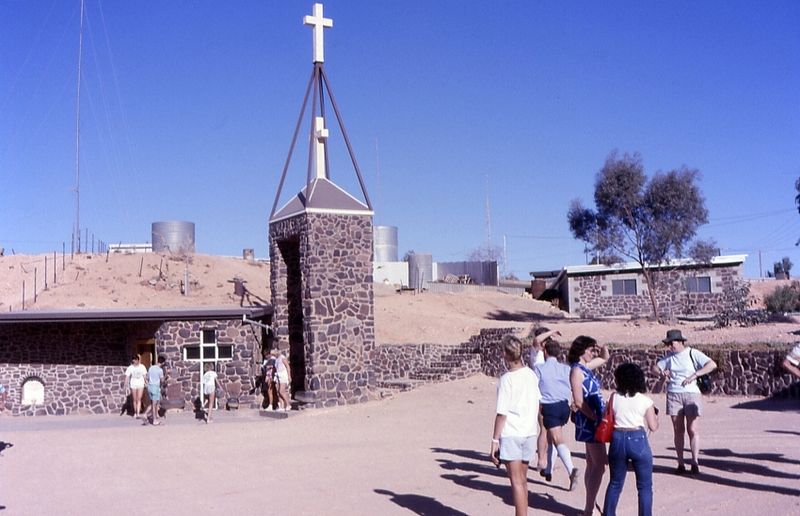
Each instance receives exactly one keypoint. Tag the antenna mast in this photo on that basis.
(488, 220)
(78, 139)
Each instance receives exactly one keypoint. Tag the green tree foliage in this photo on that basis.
(649, 222)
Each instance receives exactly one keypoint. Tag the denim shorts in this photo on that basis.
(154, 391)
(517, 448)
(689, 404)
(555, 414)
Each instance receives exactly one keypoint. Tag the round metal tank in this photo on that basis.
(173, 236)
(420, 270)
(385, 241)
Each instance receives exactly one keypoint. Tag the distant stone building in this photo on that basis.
(684, 287)
(73, 361)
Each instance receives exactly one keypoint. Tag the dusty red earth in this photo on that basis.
(421, 452)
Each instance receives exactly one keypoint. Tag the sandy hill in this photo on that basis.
(128, 281)
(89, 281)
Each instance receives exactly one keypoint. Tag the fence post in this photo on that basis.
(23, 295)
(34, 285)
(45, 272)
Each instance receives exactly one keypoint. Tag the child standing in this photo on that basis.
(210, 384)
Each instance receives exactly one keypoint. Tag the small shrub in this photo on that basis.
(783, 299)
(736, 311)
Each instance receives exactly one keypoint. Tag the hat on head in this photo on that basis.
(673, 335)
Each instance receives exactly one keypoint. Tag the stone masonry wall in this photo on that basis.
(234, 375)
(592, 295)
(741, 372)
(66, 343)
(338, 330)
(68, 389)
(82, 364)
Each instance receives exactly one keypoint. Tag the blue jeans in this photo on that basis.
(630, 446)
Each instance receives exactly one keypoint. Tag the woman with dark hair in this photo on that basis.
(585, 355)
(516, 422)
(135, 378)
(633, 412)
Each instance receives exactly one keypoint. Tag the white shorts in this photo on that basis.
(137, 383)
(208, 390)
(282, 377)
(517, 448)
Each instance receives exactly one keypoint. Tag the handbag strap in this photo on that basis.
(694, 364)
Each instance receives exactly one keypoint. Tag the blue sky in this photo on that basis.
(188, 110)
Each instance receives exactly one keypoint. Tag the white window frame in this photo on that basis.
(206, 346)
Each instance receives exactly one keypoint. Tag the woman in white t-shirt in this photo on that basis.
(634, 416)
(516, 423)
(135, 379)
(210, 384)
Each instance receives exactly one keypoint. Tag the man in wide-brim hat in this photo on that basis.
(681, 367)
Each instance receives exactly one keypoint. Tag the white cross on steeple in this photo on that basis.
(319, 23)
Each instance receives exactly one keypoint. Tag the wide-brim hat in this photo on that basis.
(673, 335)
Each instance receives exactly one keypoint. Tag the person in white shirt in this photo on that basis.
(210, 384)
(792, 361)
(134, 378)
(682, 367)
(516, 422)
(634, 415)
(283, 377)
(536, 357)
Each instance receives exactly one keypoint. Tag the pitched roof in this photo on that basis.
(325, 197)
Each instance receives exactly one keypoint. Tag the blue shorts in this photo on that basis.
(517, 448)
(555, 414)
(154, 391)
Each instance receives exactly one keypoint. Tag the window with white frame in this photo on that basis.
(623, 287)
(208, 350)
(698, 284)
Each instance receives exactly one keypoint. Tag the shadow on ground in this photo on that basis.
(711, 466)
(484, 476)
(770, 405)
(418, 504)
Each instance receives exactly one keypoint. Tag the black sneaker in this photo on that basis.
(695, 469)
(547, 476)
(680, 470)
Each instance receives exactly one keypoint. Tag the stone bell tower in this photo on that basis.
(321, 262)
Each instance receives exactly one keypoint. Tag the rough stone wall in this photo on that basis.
(82, 364)
(594, 299)
(95, 343)
(234, 375)
(68, 389)
(741, 372)
(334, 256)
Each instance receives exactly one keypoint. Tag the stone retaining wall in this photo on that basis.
(741, 372)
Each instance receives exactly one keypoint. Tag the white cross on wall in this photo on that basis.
(319, 23)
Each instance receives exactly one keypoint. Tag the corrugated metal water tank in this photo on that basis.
(420, 270)
(385, 241)
(173, 236)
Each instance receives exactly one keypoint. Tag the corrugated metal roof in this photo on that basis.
(149, 314)
(733, 259)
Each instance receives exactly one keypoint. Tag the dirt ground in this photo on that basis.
(421, 452)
